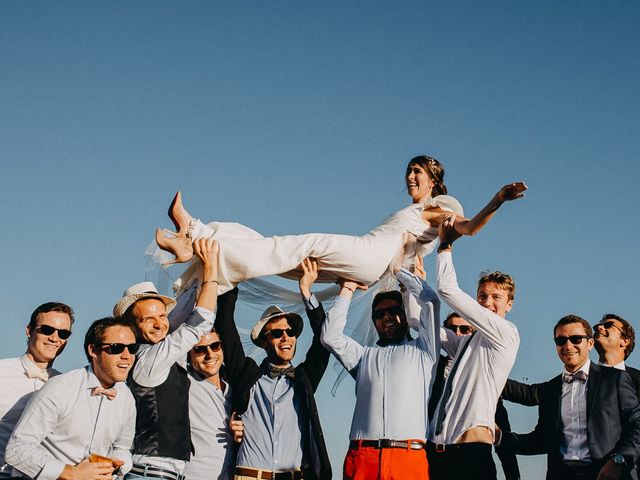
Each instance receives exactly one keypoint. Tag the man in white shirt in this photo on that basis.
(85, 412)
(159, 380)
(462, 429)
(209, 413)
(390, 421)
(47, 333)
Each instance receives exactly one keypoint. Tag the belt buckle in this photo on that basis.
(440, 447)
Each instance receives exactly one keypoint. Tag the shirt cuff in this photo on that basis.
(199, 315)
(52, 469)
(311, 302)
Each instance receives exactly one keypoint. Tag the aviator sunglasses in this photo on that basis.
(202, 349)
(608, 325)
(48, 330)
(118, 348)
(463, 329)
(575, 339)
(278, 332)
(392, 311)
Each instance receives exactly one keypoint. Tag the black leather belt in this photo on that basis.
(268, 474)
(155, 472)
(386, 443)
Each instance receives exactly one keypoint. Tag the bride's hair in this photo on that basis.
(435, 170)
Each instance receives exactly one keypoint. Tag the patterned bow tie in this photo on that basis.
(110, 393)
(579, 375)
(39, 374)
(275, 372)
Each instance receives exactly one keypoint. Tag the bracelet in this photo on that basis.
(352, 291)
(210, 281)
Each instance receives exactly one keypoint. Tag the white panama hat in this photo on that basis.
(137, 292)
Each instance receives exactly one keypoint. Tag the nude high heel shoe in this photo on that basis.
(179, 245)
(179, 216)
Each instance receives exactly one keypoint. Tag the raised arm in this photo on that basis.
(472, 226)
(317, 358)
(521, 393)
(345, 349)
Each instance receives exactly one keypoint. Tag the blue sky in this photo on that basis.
(296, 117)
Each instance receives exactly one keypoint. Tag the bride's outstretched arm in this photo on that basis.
(507, 193)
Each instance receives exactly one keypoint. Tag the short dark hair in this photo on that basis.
(96, 331)
(567, 319)
(50, 307)
(627, 332)
(450, 316)
(390, 295)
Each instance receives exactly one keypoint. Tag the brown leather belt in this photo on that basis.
(386, 443)
(268, 474)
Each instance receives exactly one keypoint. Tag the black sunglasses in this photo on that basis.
(575, 339)
(48, 330)
(278, 332)
(463, 329)
(608, 325)
(118, 348)
(202, 349)
(392, 311)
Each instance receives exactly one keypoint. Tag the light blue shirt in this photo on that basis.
(273, 426)
(392, 382)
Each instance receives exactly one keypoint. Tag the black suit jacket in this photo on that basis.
(613, 421)
(243, 372)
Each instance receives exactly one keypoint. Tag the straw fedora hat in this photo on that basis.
(295, 322)
(137, 292)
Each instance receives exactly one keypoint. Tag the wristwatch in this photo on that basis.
(618, 459)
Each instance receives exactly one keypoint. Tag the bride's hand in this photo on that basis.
(512, 191)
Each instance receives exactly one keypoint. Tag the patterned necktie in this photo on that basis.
(35, 373)
(570, 377)
(110, 393)
(275, 372)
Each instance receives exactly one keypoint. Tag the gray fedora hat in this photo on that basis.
(295, 322)
(137, 292)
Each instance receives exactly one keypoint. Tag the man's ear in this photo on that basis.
(28, 331)
(92, 351)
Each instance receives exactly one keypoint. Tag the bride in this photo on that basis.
(245, 254)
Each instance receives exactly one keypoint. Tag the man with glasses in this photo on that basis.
(282, 436)
(47, 333)
(614, 340)
(159, 380)
(209, 413)
(80, 425)
(589, 416)
(390, 421)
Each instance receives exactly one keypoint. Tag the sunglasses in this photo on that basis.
(118, 348)
(463, 329)
(575, 339)
(202, 349)
(392, 311)
(278, 332)
(608, 325)
(48, 330)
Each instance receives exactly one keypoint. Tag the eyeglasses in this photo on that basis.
(48, 330)
(575, 339)
(392, 311)
(278, 332)
(463, 329)
(608, 325)
(202, 349)
(118, 348)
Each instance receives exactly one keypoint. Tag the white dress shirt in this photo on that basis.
(63, 424)
(485, 365)
(392, 382)
(19, 378)
(154, 362)
(573, 418)
(209, 412)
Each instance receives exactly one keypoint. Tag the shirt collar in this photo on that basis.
(28, 365)
(584, 368)
(92, 380)
(619, 366)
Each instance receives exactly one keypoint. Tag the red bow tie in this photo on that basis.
(110, 393)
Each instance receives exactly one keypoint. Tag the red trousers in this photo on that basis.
(368, 463)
